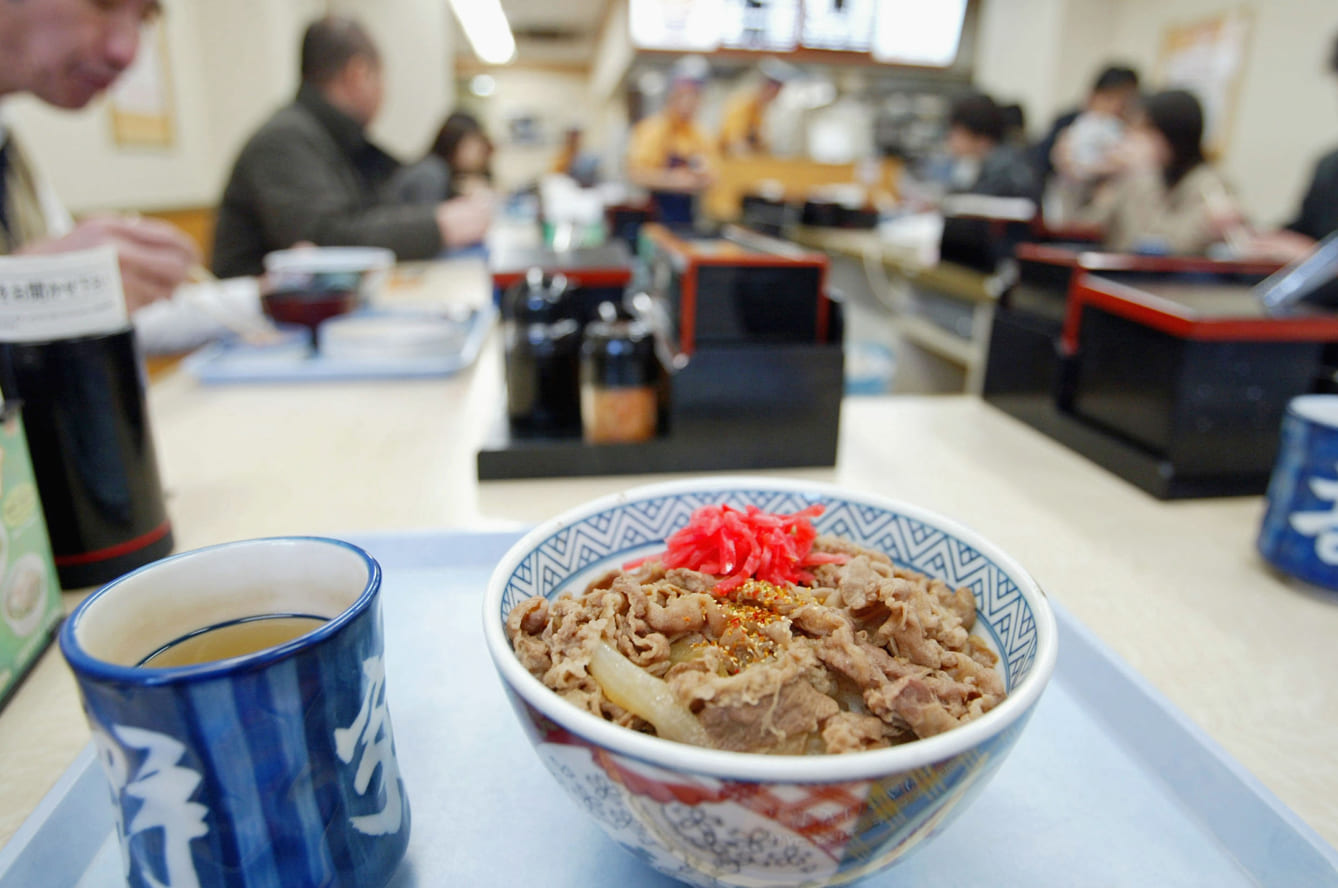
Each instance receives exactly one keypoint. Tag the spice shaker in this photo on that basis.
(620, 380)
(543, 343)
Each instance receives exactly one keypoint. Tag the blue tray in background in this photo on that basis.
(224, 363)
(1108, 786)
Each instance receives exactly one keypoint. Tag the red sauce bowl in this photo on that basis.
(308, 308)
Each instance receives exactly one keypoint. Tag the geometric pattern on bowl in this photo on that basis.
(725, 833)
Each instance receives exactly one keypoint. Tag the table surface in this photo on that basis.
(1175, 588)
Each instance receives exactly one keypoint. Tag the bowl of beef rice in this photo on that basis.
(766, 682)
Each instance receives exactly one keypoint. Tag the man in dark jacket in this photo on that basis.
(309, 174)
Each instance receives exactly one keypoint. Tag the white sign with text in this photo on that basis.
(61, 296)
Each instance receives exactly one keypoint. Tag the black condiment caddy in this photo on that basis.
(748, 348)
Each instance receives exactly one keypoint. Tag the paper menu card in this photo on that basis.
(61, 296)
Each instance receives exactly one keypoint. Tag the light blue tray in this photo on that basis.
(1108, 786)
(222, 363)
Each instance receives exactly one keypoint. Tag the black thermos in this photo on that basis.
(92, 450)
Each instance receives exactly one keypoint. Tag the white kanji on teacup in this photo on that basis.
(164, 789)
(1322, 525)
(369, 740)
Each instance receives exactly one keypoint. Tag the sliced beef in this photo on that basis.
(871, 655)
(853, 732)
(766, 707)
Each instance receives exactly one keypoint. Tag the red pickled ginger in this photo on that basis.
(744, 545)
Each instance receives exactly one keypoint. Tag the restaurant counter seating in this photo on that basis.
(1166, 370)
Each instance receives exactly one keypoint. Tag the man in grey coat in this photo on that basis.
(309, 174)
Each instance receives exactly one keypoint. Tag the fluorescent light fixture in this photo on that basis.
(912, 32)
(483, 85)
(486, 28)
(676, 25)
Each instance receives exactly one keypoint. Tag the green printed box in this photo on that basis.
(30, 605)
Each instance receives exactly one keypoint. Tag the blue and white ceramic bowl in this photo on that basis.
(715, 818)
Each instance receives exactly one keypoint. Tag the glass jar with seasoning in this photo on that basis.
(543, 344)
(620, 382)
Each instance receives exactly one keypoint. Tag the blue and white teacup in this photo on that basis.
(275, 767)
(1299, 535)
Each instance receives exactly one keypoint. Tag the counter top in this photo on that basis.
(1174, 588)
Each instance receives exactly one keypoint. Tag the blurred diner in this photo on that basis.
(66, 55)
(458, 163)
(1077, 152)
(1163, 195)
(1317, 215)
(985, 161)
(311, 175)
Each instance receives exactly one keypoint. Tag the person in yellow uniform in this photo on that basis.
(741, 130)
(668, 154)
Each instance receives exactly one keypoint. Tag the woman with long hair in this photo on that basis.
(458, 163)
(1167, 197)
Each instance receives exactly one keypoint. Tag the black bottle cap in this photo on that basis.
(618, 354)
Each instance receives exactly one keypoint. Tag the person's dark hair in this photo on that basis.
(978, 114)
(453, 131)
(329, 44)
(1178, 116)
(1015, 120)
(1115, 77)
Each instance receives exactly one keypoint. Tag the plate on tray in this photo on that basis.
(444, 345)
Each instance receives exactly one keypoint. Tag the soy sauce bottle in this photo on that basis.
(620, 380)
(543, 352)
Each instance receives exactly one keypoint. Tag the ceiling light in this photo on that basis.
(482, 85)
(486, 28)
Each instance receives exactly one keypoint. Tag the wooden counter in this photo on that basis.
(1175, 588)
(739, 175)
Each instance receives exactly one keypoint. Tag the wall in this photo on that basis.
(416, 41)
(232, 62)
(245, 80)
(1018, 53)
(614, 53)
(556, 97)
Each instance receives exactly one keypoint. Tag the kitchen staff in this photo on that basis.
(669, 155)
(741, 130)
